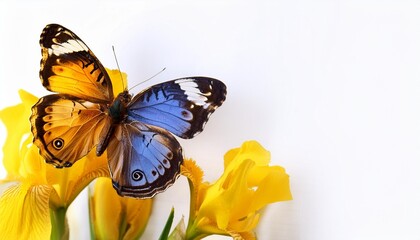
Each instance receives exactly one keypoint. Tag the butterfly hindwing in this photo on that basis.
(65, 129)
(143, 160)
(68, 66)
(181, 106)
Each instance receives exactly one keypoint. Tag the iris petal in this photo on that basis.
(231, 205)
(24, 211)
(15, 118)
(116, 217)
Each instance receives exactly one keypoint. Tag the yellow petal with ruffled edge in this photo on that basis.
(24, 212)
(265, 178)
(116, 217)
(228, 200)
(231, 205)
(33, 167)
(249, 150)
(16, 120)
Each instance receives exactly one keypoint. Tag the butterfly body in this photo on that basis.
(117, 112)
(118, 109)
(144, 158)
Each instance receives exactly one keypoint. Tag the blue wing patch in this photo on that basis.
(181, 106)
(143, 160)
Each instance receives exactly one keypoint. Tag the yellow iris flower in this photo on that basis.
(32, 187)
(35, 195)
(231, 205)
(116, 217)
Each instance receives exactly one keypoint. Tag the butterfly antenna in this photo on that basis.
(148, 78)
(118, 66)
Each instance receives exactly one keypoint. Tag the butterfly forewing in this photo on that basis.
(68, 66)
(181, 106)
(143, 160)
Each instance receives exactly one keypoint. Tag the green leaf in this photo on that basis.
(165, 232)
(179, 232)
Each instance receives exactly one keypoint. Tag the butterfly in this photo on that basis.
(144, 158)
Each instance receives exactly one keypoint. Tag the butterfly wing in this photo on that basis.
(68, 66)
(143, 160)
(181, 106)
(65, 128)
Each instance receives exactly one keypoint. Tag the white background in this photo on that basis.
(331, 88)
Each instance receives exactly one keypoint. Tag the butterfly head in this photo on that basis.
(118, 108)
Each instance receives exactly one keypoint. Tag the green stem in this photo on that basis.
(191, 232)
(59, 227)
(194, 235)
(193, 199)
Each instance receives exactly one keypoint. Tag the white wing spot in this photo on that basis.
(194, 94)
(70, 46)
